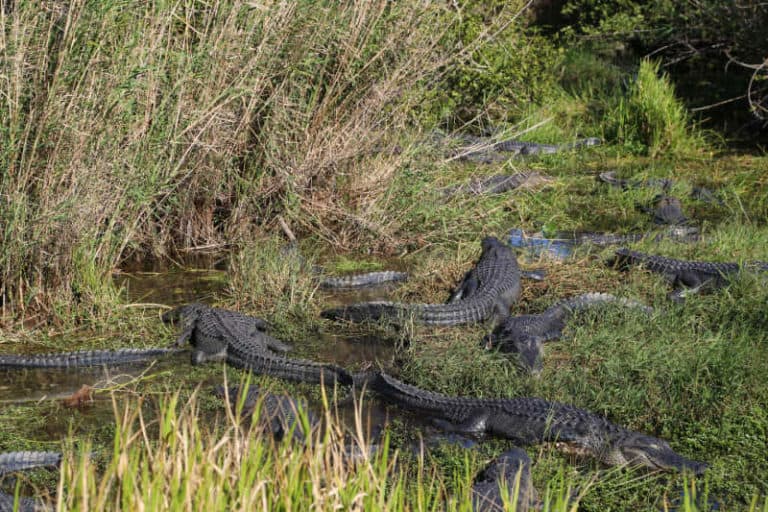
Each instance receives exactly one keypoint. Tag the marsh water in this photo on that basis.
(153, 288)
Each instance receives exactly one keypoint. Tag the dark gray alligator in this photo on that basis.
(497, 184)
(528, 421)
(485, 151)
(83, 358)
(686, 276)
(524, 335)
(699, 193)
(489, 289)
(501, 475)
(666, 210)
(222, 335)
(278, 414)
(13, 462)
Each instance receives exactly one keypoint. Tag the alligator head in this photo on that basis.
(182, 312)
(528, 350)
(648, 451)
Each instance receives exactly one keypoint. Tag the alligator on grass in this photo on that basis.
(497, 184)
(222, 335)
(502, 475)
(686, 276)
(14, 462)
(484, 150)
(83, 358)
(665, 184)
(360, 280)
(666, 210)
(529, 421)
(278, 414)
(488, 290)
(524, 335)
(562, 244)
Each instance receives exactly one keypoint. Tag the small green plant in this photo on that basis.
(653, 118)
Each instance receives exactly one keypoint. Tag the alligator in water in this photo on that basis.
(278, 414)
(84, 358)
(686, 276)
(223, 335)
(524, 335)
(483, 150)
(531, 421)
(497, 184)
(700, 193)
(489, 289)
(507, 473)
(13, 462)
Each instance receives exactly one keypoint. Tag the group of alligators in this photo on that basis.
(487, 292)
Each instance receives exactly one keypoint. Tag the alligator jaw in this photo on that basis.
(653, 453)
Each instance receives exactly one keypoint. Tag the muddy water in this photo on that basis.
(44, 389)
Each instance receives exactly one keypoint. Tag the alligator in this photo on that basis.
(13, 462)
(277, 413)
(509, 472)
(666, 210)
(562, 244)
(665, 184)
(488, 290)
(483, 150)
(524, 335)
(686, 276)
(363, 280)
(497, 184)
(528, 420)
(82, 358)
(222, 335)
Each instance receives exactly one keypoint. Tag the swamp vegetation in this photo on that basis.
(158, 153)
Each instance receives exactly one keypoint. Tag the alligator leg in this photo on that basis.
(475, 424)
(536, 274)
(275, 344)
(466, 288)
(185, 336)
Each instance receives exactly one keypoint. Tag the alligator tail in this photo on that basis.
(293, 369)
(84, 358)
(12, 462)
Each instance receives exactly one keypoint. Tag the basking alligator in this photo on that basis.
(533, 420)
(349, 281)
(687, 276)
(562, 245)
(486, 151)
(666, 184)
(666, 210)
(525, 334)
(277, 414)
(497, 184)
(13, 462)
(222, 335)
(503, 471)
(84, 358)
(363, 280)
(488, 289)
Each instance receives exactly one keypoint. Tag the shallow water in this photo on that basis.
(148, 286)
